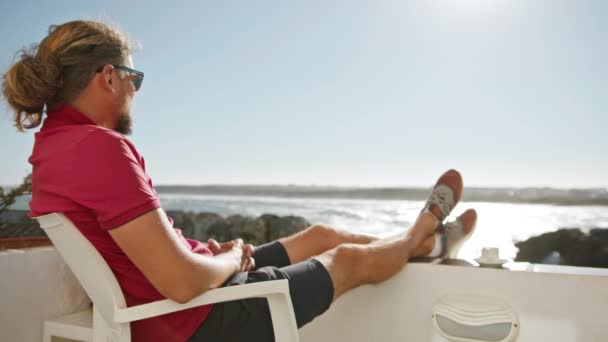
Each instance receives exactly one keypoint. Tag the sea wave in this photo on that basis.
(499, 224)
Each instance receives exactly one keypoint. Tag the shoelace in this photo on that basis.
(443, 196)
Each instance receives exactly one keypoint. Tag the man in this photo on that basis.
(84, 167)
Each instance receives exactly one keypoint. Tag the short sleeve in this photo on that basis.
(108, 178)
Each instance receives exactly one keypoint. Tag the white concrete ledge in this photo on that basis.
(553, 303)
(35, 285)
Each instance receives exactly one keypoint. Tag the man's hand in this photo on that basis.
(247, 261)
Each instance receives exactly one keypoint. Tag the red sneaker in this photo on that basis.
(445, 194)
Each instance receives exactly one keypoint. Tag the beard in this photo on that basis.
(123, 126)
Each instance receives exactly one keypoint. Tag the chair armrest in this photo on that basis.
(276, 292)
(223, 294)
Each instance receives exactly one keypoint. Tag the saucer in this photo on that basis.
(496, 264)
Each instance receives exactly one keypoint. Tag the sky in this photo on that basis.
(351, 93)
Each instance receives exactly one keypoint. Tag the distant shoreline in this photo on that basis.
(546, 196)
(497, 195)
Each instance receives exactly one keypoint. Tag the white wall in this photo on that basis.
(35, 284)
(552, 303)
(556, 307)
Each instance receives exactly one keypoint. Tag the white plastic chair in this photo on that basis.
(110, 317)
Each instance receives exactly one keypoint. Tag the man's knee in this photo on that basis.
(345, 265)
(325, 234)
(348, 255)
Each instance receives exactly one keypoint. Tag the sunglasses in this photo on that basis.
(138, 76)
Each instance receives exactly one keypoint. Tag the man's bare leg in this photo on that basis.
(351, 265)
(317, 239)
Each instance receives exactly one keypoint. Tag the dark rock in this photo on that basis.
(198, 226)
(278, 227)
(599, 233)
(552, 259)
(182, 220)
(219, 230)
(590, 252)
(13, 216)
(204, 226)
(194, 225)
(26, 228)
(568, 246)
(202, 223)
(247, 228)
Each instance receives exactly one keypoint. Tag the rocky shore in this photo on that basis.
(199, 226)
(265, 228)
(563, 247)
(568, 246)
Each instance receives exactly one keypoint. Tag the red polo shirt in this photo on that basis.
(97, 178)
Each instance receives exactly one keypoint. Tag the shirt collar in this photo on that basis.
(66, 115)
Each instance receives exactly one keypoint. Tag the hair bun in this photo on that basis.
(30, 83)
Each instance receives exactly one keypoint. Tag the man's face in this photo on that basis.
(124, 94)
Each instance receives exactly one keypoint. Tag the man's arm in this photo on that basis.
(178, 274)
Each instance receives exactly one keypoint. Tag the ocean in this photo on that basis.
(499, 225)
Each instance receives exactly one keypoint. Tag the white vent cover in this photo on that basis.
(466, 318)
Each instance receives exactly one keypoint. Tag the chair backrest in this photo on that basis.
(86, 263)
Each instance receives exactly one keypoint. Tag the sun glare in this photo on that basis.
(471, 6)
(471, 15)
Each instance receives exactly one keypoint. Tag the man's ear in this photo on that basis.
(105, 81)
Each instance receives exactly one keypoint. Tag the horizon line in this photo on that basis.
(370, 187)
(605, 188)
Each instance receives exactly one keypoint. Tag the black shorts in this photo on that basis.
(310, 287)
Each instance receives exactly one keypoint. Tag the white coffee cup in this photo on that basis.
(489, 255)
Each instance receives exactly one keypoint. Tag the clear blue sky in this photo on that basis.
(383, 92)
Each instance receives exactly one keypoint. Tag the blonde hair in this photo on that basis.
(60, 67)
